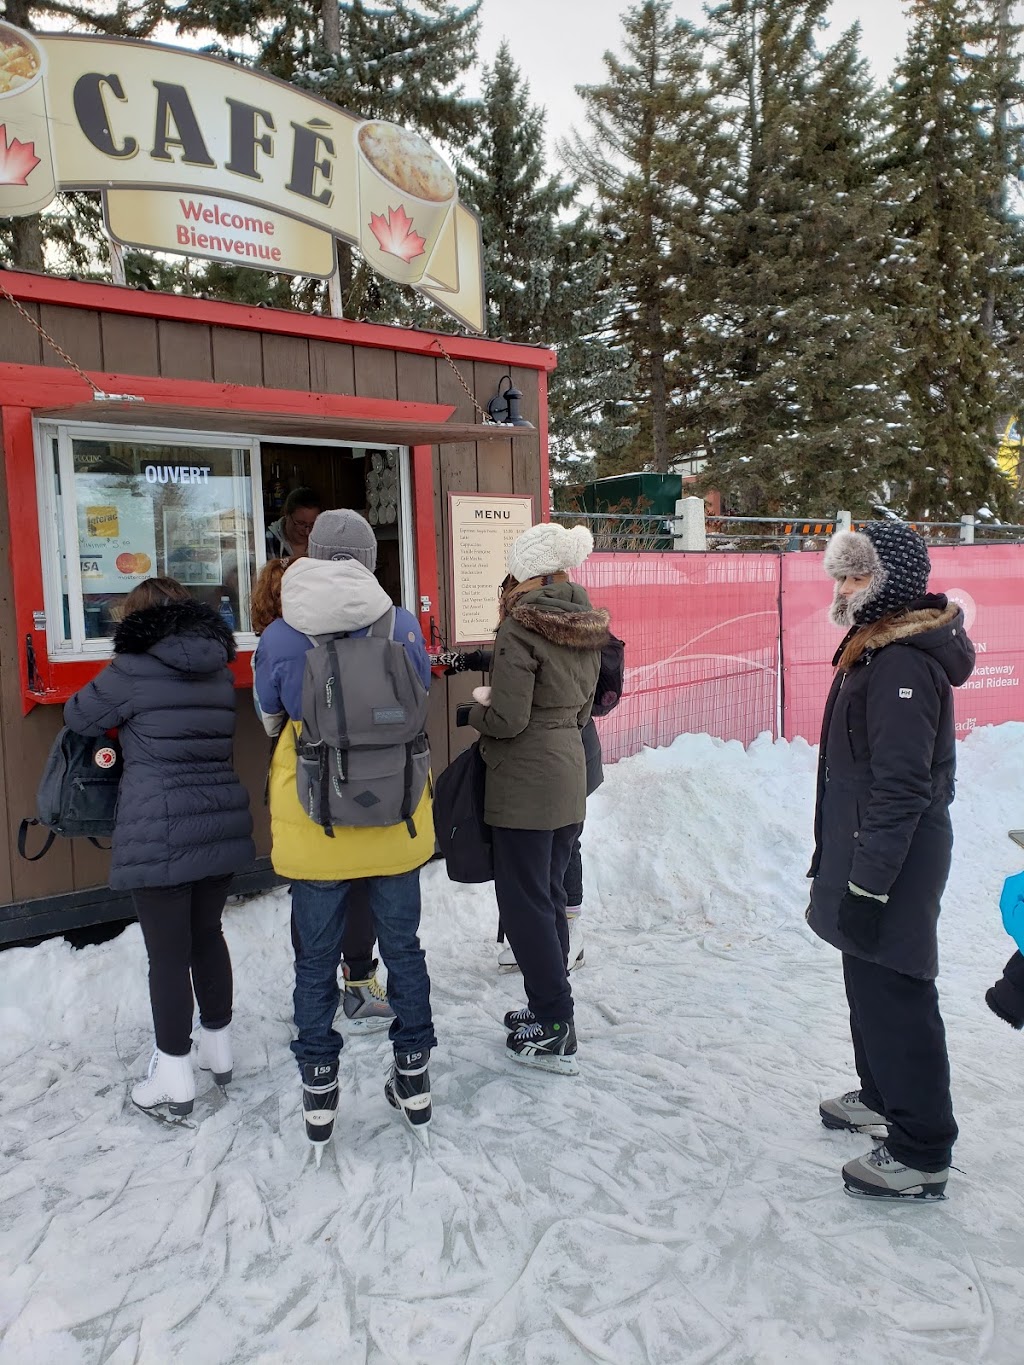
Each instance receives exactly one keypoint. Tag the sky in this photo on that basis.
(559, 44)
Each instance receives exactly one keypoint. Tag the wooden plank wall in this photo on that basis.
(183, 350)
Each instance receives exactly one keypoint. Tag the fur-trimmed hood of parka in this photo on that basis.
(933, 624)
(562, 614)
(187, 636)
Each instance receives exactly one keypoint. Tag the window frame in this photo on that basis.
(80, 649)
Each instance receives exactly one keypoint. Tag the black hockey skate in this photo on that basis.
(407, 1088)
(319, 1103)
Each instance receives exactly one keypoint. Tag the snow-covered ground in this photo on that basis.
(677, 1203)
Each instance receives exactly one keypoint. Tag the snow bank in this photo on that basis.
(677, 1203)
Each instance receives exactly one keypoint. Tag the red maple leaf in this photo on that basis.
(394, 234)
(17, 159)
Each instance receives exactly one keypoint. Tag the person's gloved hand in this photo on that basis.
(482, 695)
(1006, 997)
(470, 661)
(860, 918)
(1011, 906)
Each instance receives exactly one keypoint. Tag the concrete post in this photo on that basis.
(967, 529)
(690, 529)
(844, 520)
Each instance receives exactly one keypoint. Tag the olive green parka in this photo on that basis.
(547, 656)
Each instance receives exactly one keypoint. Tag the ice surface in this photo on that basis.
(676, 1204)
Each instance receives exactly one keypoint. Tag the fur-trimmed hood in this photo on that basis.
(932, 623)
(189, 637)
(562, 614)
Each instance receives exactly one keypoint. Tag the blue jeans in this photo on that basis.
(318, 921)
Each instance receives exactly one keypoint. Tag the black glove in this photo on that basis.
(473, 661)
(1006, 997)
(860, 920)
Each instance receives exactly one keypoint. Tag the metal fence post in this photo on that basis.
(967, 529)
(690, 527)
(844, 520)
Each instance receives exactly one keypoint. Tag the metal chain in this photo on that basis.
(48, 339)
(458, 374)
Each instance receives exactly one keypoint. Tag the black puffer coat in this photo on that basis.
(182, 813)
(885, 782)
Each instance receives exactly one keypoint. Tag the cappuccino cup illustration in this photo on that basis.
(27, 176)
(406, 193)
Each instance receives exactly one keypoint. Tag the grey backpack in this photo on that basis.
(362, 757)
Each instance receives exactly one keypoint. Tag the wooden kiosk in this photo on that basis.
(163, 440)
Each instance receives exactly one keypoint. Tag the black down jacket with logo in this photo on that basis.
(885, 783)
(182, 813)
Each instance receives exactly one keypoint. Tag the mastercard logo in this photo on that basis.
(129, 563)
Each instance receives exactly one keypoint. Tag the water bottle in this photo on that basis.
(227, 612)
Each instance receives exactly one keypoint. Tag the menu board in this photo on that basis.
(482, 527)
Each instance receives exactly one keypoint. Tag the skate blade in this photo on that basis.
(370, 1024)
(221, 1078)
(556, 1064)
(878, 1131)
(921, 1194)
(581, 961)
(162, 1114)
(422, 1130)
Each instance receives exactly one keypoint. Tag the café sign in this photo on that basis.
(198, 155)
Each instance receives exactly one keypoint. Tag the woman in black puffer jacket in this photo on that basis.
(183, 826)
(883, 842)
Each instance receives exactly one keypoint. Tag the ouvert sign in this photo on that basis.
(201, 156)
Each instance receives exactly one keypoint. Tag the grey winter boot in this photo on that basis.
(366, 1003)
(846, 1112)
(878, 1175)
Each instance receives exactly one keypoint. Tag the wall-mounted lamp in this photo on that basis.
(504, 406)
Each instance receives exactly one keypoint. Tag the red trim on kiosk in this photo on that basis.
(112, 298)
(428, 582)
(542, 428)
(36, 388)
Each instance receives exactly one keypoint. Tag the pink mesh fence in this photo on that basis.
(988, 583)
(702, 645)
(711, 639)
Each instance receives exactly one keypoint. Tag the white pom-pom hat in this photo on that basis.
(548, 548)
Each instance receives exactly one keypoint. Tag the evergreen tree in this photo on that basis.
(797, 351)
(950, 159)
(646, 152)
(1003, 311)
(503, 176)
(402, 61)
(541, 266)
(69, 234)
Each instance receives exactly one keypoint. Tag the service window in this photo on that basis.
(118, 508)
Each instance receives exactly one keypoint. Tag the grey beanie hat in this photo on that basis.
(343, 534)
(895, 556)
